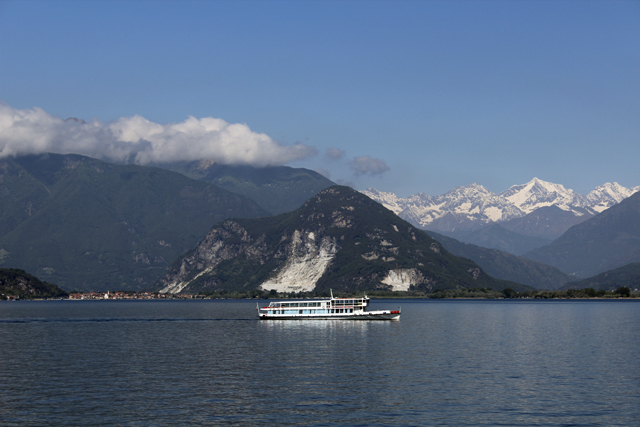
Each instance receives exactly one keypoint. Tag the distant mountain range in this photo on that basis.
(473, 206)
(628, 275)
(339, 239)
(90, 225)
(506, 266)
(527, 216)
(607, 241)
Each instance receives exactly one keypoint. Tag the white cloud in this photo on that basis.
(335, 153)
(138, 140)
(368, 165)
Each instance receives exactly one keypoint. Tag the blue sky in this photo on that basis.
(402, 96)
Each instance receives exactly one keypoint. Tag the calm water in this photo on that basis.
(448, 363)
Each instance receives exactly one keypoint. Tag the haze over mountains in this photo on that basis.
(607, 241)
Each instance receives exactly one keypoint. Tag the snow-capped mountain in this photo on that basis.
(537, 194)
(607, 195)
(473, 206)
(461, 208)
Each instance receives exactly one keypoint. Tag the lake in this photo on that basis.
(211, 362)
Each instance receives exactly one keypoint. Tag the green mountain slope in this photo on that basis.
(628, 275)
(609, 240)
(339, 239)
(277, 189)
(90, 225)
(18, 283)
(506, 266)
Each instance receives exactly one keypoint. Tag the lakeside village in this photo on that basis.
(129, 295)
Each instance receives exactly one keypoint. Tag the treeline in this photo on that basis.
(508, 293)
(620, 292)
(480, 293)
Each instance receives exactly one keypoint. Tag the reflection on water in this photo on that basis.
(212, 362)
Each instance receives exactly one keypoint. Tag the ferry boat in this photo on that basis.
(326, 308)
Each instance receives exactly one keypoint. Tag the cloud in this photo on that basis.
(138, 140)
(335, 153)
(368, 165)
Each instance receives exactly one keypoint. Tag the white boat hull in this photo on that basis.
(364, 315)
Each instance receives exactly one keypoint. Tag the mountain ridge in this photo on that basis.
(604, 242)
(277, 189)
(472, 207)
(90, 225)
(339, 239)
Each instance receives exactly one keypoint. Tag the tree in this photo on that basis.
(623, 291)
(509, 293)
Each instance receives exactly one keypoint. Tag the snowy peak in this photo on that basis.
(538, 193)
(388, 200)
(466, 206)
(473, 206)
(607, 195)
(476, 200)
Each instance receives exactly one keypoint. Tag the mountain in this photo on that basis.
(607, 195)
(463, 208)
(495, 236)
(536, 209)
(94, 226)
(628, 275)
(339, 239)
(537, 193)
(609, 240)
(277, 189)
(545, 223)
(17, 283)
(504, 265)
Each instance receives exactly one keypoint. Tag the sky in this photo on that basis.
(400, 96)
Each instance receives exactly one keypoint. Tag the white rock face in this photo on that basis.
(303, 270)
(401, 279)
(177, 287)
